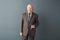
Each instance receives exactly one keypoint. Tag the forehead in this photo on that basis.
(29, 5)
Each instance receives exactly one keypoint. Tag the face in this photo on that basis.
(29, 8)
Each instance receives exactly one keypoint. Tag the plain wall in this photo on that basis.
(49, 17)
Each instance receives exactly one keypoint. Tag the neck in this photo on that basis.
(29, 11)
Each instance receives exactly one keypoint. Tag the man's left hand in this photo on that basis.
(32, 26)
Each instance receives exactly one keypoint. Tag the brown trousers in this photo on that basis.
(28, 37)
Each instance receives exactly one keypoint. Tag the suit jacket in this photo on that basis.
(25, 26)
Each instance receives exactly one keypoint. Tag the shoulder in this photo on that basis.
(23, 13)
(35, 14)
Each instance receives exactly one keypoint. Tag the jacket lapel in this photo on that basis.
(31, 17)
(27, 17)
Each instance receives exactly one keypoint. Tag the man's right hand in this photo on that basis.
(20, 33)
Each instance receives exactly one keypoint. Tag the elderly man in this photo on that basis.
(29, 23)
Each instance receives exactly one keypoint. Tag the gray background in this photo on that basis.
(49, 17)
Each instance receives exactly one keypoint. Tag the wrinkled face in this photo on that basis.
(29, 8)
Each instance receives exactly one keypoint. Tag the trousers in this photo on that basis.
(28, 37)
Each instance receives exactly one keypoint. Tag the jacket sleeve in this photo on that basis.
(37, 21)
(22, 24)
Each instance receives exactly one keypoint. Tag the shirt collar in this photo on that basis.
(30, 14)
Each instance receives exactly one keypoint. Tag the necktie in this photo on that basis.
(29, 17)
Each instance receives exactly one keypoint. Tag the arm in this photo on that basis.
(37, 21)
(21, 26)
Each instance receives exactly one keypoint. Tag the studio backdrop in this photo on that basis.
(47, 10)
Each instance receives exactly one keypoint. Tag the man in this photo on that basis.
(29, 23)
